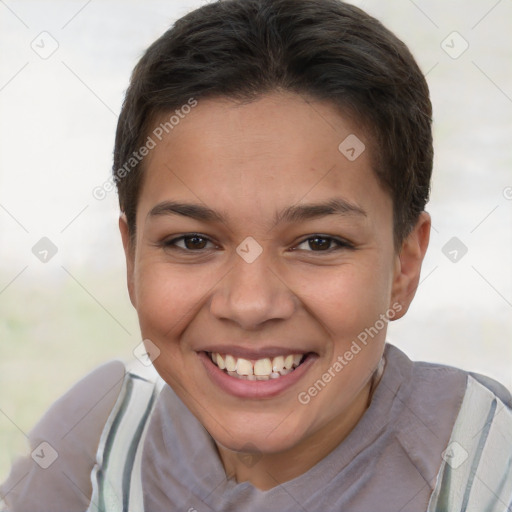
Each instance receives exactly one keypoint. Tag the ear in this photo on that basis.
(129, 253)
(408, 264)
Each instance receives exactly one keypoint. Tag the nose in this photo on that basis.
(252, 294)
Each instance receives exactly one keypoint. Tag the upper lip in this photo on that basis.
(253, 354)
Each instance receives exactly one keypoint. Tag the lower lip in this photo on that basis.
(254, 388)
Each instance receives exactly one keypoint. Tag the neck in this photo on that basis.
(265, 471)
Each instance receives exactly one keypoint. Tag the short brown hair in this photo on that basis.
(324, 49)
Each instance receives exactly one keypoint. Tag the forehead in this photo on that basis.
(261, 156)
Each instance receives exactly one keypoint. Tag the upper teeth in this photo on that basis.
(266, 367)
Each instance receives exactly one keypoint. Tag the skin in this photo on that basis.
(248, 162)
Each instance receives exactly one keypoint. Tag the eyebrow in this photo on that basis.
(194, 211)
(292, 214)
(302, 212)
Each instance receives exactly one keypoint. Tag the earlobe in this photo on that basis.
(408, 263)
(129, 252)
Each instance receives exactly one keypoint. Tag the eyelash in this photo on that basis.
(341, 243)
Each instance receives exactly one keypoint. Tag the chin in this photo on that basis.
(258, 435)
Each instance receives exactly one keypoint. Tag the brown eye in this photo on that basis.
(319, 244)
(192, 242)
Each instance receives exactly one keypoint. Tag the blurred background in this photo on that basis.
(64, 307)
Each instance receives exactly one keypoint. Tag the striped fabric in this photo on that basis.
(475, 476)
(476, 473)
(116, 476)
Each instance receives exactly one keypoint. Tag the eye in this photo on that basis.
(190, 242)
(321, 243)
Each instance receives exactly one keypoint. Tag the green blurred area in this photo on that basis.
(52, 334)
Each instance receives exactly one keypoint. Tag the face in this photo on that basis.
(258, 239)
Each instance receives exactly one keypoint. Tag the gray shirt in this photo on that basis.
(388, 462)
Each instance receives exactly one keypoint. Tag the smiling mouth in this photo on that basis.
(261, 369)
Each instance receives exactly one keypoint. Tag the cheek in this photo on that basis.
(165, 298)
(349, 299)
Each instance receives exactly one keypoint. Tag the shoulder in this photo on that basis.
(63, 444)
(440, 376)
(437, 391)
(475, 473)
(427, 402)
(435, 382)
(86, 402)
(495, 387)
(426, 386)
(456, 427)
